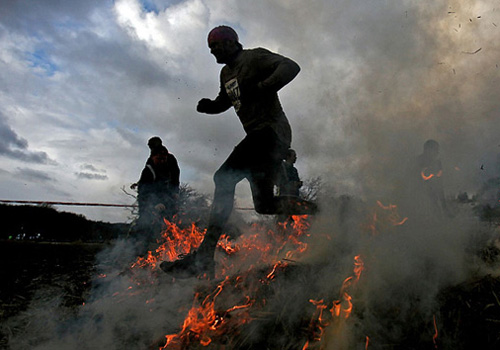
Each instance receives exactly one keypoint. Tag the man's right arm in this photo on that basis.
(221, 104)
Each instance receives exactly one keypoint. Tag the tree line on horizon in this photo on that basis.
(45, 223)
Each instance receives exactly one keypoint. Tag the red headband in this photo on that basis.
(222, 33)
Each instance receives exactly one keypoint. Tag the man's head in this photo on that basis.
(223, 43)
(154, 142)
(291, 156)
(431, 148)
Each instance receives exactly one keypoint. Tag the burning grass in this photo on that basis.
(268, 295)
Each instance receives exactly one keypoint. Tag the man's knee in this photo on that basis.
(219, 177)
(225, 179)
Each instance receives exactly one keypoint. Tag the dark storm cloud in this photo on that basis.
(33, 175)
(9, 137)
(65, 40)
(15, 147)
(93, 55)
(40, 179)
(23, 14)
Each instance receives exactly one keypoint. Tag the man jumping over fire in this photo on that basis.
(249, 82)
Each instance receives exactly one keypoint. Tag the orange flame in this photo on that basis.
(227, 245)
(203, 322)
(341, 308)
(359, 266)
(383, 217)
(264, 246)
(321, 324)
(207, 320)
(431, 175)
(272, 274)
(435, 336)
(174, 241)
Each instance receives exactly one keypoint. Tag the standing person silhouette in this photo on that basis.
(427, 191)
(290, 184)
(158, 188)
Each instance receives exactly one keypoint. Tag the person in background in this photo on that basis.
(158, 188)
(426, 196)
(290, 184)
(154, 144)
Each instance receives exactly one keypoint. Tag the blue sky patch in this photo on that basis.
(157, 6)
(40, 59)
(149, 6)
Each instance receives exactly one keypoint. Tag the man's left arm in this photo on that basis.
(282, 70)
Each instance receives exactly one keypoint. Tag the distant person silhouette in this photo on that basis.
(158, 188)
(289, 183)
(427, 175)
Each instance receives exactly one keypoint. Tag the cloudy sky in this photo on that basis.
(85, 83)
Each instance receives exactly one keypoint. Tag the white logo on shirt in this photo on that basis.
(233, 91)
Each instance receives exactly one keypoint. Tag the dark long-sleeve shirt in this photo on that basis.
(250, 84)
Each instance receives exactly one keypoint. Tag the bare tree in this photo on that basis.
(311, 189)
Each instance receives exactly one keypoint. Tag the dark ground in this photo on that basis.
(64, 269)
